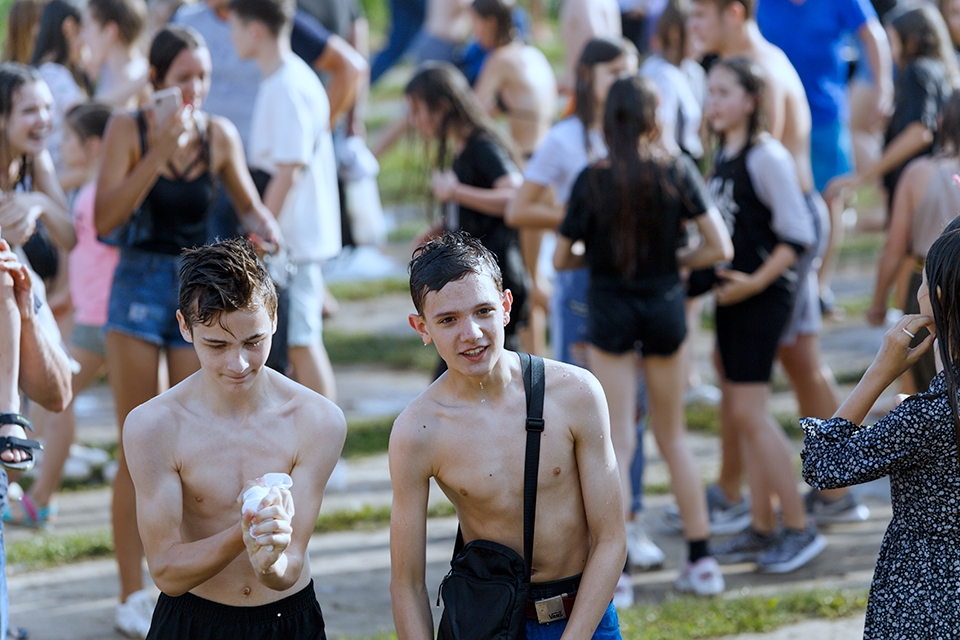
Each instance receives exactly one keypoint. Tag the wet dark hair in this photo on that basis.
(448, 258)
(444, 89)
(942, 268)
(502, 11)
(89, 119)
(924, 34)
(276, 15)
(52, 45)
(750, 76)
(639, 171)
(130, 16)
(168, 44)
(596, 51)
(221, 278)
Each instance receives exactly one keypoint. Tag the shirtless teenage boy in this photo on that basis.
(467, 432)
(196, 448)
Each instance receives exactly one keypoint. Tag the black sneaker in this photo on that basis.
(792, 550)
(846, 509)
(746, 546)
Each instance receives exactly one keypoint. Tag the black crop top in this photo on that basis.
(178, 207)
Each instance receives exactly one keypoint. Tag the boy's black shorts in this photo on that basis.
(296, 617)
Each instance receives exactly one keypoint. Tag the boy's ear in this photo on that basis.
(185, 331)
(420, 326)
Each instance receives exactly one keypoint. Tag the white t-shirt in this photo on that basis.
(680, 111)
(563, 155)
(291, 125)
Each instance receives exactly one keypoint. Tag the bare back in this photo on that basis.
(517, 80)
(788, 113)
(190, 464)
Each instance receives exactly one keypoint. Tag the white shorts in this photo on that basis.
(306, 288)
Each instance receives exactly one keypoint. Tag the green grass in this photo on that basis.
(47, 550)
(394, 352)
(369, 289)
(704, 618)
(405, 172)
(370, 518)
(366, 437)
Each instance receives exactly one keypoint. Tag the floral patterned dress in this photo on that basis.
(916, 584)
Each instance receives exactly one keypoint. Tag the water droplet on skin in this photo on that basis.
(481, 385)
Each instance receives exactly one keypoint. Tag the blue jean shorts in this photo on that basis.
(568, 313)
(608, 629)
(144, 298)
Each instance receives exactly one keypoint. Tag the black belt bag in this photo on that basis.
(485, 592)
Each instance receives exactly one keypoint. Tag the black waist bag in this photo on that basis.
(484, 595)
(485, 592)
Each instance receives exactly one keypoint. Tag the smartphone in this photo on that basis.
(165, 103)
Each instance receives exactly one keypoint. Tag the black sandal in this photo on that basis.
(12, 442)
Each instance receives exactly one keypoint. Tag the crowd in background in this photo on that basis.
(685, 152)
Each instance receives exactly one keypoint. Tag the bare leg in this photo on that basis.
(60, 429)
(813, 384)
(834, 241)
(731, 462)
(533, 337)
(134, 365)
(770, 462)
(9, 349)
(617, 376)
(665, 376)
(313, 369)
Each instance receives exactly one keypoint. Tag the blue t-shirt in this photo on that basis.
(811, 33)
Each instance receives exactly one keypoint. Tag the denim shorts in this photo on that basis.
(88, 338)
(608, 629)
(144, 298)
(568, 313)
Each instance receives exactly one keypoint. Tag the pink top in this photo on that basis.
(92, 264)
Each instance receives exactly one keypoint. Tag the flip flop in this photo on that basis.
(30, 514)
(16, 633)
(11, 442)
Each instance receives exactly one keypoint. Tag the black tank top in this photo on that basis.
(178, 207)
(748, 219)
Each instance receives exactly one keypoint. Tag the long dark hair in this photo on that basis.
(13, 76)
(502, 12)
(924, 34)
(630, 126)
(167, 45)
(749, 75)
(597, 51)
(443, 89)
(51, 44)
(943, 282)
(949, 129)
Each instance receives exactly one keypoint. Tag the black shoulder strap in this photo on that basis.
(142, 129)
(533, 384)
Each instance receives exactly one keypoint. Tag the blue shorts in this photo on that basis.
(568, 313)
(144, 298)
(88, 338)
(831, 152)
(608, 629)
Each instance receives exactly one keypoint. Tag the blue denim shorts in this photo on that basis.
(608, 629)
(144, 298)
(568, 313)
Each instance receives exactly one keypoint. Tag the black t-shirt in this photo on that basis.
(308, 38)
(921, 91)
(593, 207)
(480, 164)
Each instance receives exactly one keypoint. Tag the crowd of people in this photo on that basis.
(175, 175)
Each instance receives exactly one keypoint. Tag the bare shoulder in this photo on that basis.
(570, 384)
(152, 423)
(224, 131)
(413, 420)
(314, 414)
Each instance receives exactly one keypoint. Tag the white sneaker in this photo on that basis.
(703, 578)
(623, 594)
(134, 615)
(641, 551)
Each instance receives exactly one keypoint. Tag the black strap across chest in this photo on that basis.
(533, 385)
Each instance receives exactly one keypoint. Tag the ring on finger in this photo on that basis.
(909, 333)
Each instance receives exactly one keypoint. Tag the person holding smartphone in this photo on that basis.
(163, 163)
